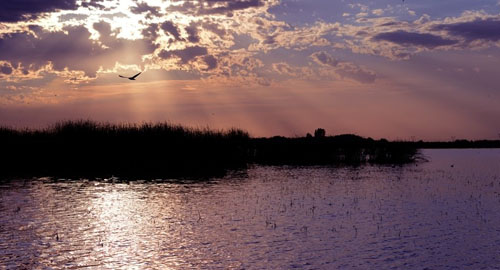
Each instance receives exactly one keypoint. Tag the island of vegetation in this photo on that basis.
(162, 150)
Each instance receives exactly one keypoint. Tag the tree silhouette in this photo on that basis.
(319, 133)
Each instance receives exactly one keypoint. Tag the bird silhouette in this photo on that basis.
(130, 78)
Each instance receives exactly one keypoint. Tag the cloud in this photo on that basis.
(151, 31)
(378, 12)
(192, 31)
(342, 69)
(284, 69)
(185, 55)
(354, 72)
(277, 34)
(223, 6)
(93, 3)
(125, 51)
(212, 37)
(395, 39)
(145, 8)
(210, 61)
(105, 33)
(208, 7)
(6, 69)
(480, 29)
(215, 28)
(238, 68)
(417, 39)
(323, 58)
(15, 10)
(71, 49)
(171, 29)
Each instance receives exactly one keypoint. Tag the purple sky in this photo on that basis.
(400, 70)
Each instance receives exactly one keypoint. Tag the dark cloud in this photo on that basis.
(417, 39)
(324, 58)
(211, 62)
(123, 50)
(105, 32)
(215, 28)
(225, 6)
(73, 49)
(362, 33)
(475, 30)
(93, 3)
(170, 28)
(354, 72)
(216, 6)
(390, 24)
(103, 28)
(269, 40)
(192, 31)
(18, 10)
(144, 8)
(6, 69)
(151, 32)
(185, 55)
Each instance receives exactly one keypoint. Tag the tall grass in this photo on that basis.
(80, 148)
(162, 150)
(342, 149)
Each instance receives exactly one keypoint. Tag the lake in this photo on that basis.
(440, 214)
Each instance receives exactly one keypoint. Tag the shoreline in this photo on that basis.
(163, 150)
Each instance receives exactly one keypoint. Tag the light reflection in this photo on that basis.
(127, 227)
(271, 218)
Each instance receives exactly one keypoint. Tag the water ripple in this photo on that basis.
(425, 216)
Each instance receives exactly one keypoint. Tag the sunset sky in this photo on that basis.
(418, 69)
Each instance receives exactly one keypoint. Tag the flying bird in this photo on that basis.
(131, 78)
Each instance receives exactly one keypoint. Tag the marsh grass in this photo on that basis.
(344, 149)
(81, 148)
(163, 150)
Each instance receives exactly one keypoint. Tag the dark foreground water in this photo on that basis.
(443, 214)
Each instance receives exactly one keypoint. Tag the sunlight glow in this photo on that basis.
(279, 67)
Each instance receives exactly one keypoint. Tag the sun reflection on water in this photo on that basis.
(126, 222)
(409, 217)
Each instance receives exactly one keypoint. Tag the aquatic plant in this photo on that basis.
(82, 148)
(163, 150)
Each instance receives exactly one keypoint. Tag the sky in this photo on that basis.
(401, 70)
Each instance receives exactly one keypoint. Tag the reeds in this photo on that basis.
(163, 150)
(342, 149)
(83, 148)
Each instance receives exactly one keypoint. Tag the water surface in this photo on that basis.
(442, 214)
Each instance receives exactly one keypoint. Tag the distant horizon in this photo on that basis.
(48, 125)
(385, 69)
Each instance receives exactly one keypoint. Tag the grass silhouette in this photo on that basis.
(344, 149)
(163, 150)
(82, 148)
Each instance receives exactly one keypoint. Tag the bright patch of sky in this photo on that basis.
(407, 66)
